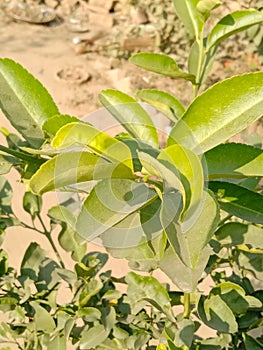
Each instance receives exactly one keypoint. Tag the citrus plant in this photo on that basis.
(192, 208)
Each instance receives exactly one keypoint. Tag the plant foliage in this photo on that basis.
(192, 208)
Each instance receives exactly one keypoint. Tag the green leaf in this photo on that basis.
(58, 343)
(71, 168)
(3, 262)
(21, 94)
(108, 318)
(191, 175)
(109, 203)
(80, 134)
(250, 259)
(138, 339)
(204, 7)
(150, 289)
(8, 222)
(91, 314)
(53, 124)
(163, 102)
(215, 313)
(110, 344)
(174, 268)
(231, 24)
(200, 233)
(234, 160)
(68, 239)
(251, 343)
(31, 262)
(43, 320)
(7, 303)
(236, 233)
(6, 164)
(112, 294)
(233, 295)
(145, 255)
(193, 58)
(184, 334)
(187, 12)
(60, 214)
(161, 64)
(239, 201)
(92, 288)
(92, 337)
(32, 204)
(159, 169)
(220, 342)
(220, 112)
(169, 216)
(142, 257)
(131, 115)
(5, 196)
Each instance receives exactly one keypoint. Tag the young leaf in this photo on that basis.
(193, 58)
(8, 303)
(234, 160)
(92, 337)
(231, 24)
(149, 289)
(191, 173)
(80, 134)
(200, 233)
(169, 216)
(184, 334)
(130, 115)
(174, 268)
(70, 168)
(22, 95)
(154, 167)
(43, 320)
(58, 343)
(204, 7)
(32, 204)
(142, 257)
(187, 12)
(220, 112)
(68, 239)
(53, 124)
(5, 196)
(6, 164)
(161, 64)
(163, 102)
(250, 259)
(215, 313)
(233, 295)
(239, 201)
(109, 203)
(31, 262)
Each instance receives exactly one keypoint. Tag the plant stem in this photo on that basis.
(48, 235)
(19, 155)
(200, 42)
(187, 305)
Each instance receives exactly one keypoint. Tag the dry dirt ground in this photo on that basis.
(76, 63)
